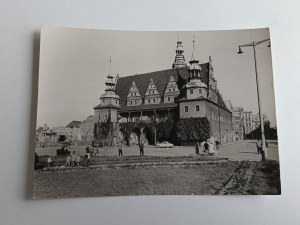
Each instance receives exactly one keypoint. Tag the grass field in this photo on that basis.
(208, 178)
(204, 179)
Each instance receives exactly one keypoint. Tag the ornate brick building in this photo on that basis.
(138, 102)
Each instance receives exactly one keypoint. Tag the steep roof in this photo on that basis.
(74, 123)
(160, 78)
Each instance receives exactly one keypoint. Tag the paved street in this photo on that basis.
(245, 150)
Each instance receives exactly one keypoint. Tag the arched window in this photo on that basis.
(197, 108)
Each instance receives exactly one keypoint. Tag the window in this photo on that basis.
(200, 91)
(135, 102)
(186, 108)
(106, 117)
(169, 89)
(169, 99)
(149, 100)
(197, 108)
(154, 100)
(173, 89)
(191, 91)
(116, 101)
(130, 102)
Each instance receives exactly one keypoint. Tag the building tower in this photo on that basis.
(109, 102)
(179, 58)
(195, 88)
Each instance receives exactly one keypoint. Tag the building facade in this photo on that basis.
(146, 99)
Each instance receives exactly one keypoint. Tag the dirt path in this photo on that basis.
(238, 183)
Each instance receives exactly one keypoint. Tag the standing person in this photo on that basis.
(77, 160)
(141, 148)
(88, 156)
(68, 161)
(206, 147)
(212, 149)
(49, 161)
(259, 146)
(197, 148)
(73, 159)
(120, 148)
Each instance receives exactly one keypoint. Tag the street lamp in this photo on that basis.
(254, 44)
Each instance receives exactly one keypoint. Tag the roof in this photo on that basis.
(106, 106)
(149, 107)
(160, 79)
(74, 123)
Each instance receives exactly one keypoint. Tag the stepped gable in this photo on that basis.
(160, 78)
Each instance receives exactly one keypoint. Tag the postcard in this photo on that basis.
(155, 113)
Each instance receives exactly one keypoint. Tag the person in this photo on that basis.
(197, 148)
(77, 160)
(68, 159)
(206, 147)
(49, 161)
(73, 159)
(141, 148)
(212, 149)
(119, 144)
(259, 146)
(88, 156)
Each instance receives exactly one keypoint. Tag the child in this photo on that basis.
(78, 161)
(68, 161)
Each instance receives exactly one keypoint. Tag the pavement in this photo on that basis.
(237, 151)
(246, 150)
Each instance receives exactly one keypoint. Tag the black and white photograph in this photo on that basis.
(126, 113)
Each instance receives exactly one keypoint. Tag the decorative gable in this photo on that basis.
(152, 95)
(171, 91)
(133, 97)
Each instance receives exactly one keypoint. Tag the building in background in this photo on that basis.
(181, 92)
(238, 123)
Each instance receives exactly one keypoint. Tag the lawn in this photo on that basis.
(170, 180)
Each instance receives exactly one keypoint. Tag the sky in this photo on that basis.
(74, 64)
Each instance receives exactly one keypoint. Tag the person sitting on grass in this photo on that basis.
(77, 161)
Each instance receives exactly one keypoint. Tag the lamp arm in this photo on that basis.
(262, 41)
(247, 45)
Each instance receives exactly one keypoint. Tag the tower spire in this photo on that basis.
(179, 58)
(109, 65)
(110, 82)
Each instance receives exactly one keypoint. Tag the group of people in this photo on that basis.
(209, 147)
(120, 148)
(74, 160)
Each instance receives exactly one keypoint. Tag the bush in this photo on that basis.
(191, 130)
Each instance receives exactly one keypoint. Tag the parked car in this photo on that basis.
(164, 144)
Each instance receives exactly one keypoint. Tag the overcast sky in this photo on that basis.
(74, 64)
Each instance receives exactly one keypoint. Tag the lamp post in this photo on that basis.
(254, 44)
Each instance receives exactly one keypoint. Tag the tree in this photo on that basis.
(270, 133)
(164, 128)
(193, 129)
